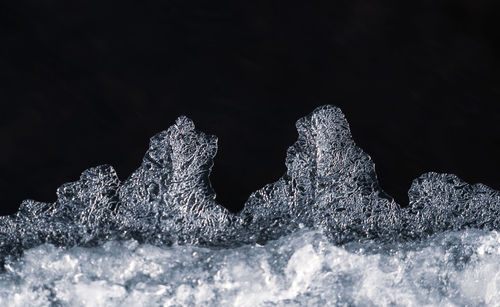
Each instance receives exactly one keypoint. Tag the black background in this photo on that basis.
(86, 83)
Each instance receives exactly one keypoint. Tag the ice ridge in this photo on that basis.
(330, 185)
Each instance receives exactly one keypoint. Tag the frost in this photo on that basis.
(330, 185)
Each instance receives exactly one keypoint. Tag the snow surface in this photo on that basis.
(302, 269)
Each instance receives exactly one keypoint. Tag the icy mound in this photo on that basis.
(441, 202)
(330, 185)
(81, 214)
(169, 198)
(302, 269)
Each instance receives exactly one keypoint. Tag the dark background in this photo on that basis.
(86, 83)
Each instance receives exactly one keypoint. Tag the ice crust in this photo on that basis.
(330, 186)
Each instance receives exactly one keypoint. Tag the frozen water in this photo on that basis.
(330, 185)
(302, 269)
(169, 198)
(324, 233)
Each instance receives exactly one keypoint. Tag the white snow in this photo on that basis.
(302, 269)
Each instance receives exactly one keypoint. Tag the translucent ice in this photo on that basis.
(323, 234)
(81, 214)
(169, 198)
(330, 186)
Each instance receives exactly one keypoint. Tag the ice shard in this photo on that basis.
(330, 184)
(169, 198)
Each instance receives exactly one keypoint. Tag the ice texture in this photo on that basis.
(169, 198)
(81, 214)
(301, 269)
(440, 202)
(330, 185)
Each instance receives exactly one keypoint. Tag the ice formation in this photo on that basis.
(330, 186)
(169, 198)
(324, 233)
